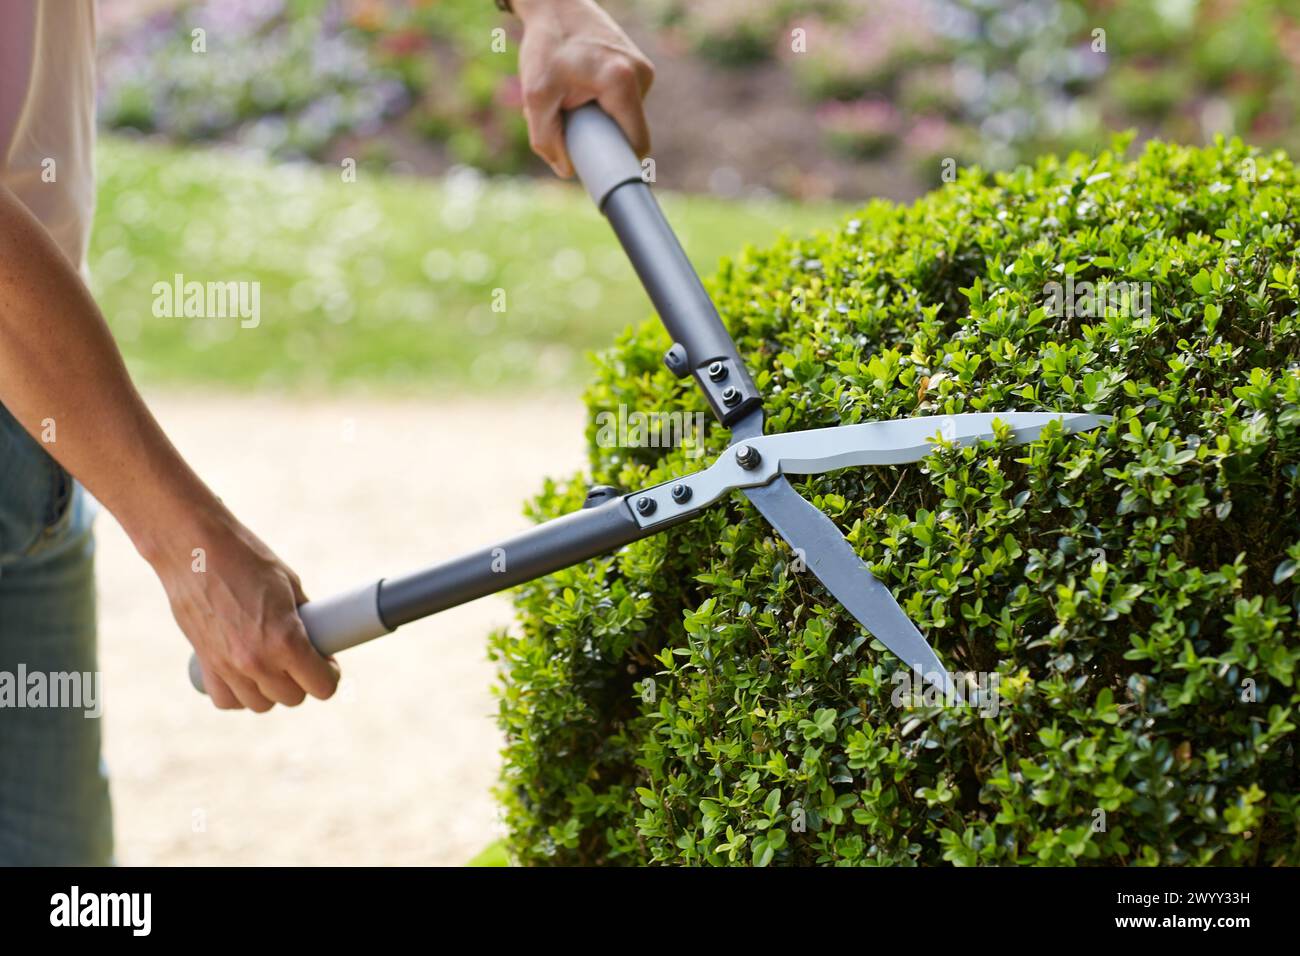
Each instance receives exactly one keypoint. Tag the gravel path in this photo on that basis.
(395, 770)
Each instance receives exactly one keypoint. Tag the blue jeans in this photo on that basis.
(54, 802)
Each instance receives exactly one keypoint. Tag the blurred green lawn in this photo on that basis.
(386, 281)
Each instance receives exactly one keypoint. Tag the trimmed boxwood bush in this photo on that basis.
(696, 699)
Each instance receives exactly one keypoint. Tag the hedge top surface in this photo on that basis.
(1130, 593)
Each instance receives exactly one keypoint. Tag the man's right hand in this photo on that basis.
(237, 603)
(574, 53)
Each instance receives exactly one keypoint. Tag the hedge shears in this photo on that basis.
(755, 464)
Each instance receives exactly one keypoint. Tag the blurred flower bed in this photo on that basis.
(290, 77)
(997, 81)
(902, 84)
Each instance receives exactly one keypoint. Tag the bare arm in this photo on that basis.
(58, 361)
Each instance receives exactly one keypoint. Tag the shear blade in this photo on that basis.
(838, 567)
(906, 440)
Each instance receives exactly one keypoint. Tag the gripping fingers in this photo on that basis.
(290, 668)
(248, 693)
(623, 102)
(280, 688)
(318, 676)
(218, 691)
(546, 128)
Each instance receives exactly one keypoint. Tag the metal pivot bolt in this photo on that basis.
(747, 457)
(645, 506)
(681, 493)
(676, 360)
(730, 395)
(717, 371)
(599, 494)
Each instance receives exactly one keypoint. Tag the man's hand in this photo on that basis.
(237, 603)
(573, 53)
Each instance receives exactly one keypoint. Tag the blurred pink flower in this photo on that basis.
(404, 42)
(862, 127)
(872, 115)
(929, 136)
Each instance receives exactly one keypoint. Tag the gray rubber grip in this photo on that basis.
(600, 152)
(333, 625)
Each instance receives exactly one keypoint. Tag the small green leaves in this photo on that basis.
(698, 699)
(821, 727)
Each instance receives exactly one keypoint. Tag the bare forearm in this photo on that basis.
(524, 9)
(59, 367)
(62, 376)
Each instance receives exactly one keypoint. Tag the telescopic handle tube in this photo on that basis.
(559, 543)
(701, 346)
(347, 620)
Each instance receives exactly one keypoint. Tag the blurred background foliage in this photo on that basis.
(883, 92)
(899, 83)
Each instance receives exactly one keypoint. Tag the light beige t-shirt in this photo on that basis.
(47, 114)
